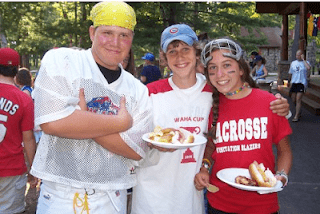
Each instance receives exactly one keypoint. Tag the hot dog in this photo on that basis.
(264, 177)
(171, 135)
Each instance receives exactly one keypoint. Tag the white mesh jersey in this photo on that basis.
(168, 187)
(84, 163)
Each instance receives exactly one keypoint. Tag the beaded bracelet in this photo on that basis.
(207, 161)
(283, 174)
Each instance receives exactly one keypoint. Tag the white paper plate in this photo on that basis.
(198, 140)
(228, 176)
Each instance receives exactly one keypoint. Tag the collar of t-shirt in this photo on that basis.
(110, 75)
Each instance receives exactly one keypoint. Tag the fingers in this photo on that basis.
(280, 106)
(82, 103)
(201, 181)
(161, 149)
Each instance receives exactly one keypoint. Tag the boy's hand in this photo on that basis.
(33, 181)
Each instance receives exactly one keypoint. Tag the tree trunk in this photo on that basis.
(295, 45)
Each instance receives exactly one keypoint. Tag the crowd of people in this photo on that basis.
(93, 111)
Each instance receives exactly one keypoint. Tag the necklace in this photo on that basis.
(237, 91)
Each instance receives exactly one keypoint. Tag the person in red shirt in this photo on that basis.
(243, 129)
(16, 135)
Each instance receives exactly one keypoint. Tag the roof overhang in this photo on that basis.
(286, 8)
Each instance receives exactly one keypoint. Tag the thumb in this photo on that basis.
(82, 103)
(278, 95)
(123, 102)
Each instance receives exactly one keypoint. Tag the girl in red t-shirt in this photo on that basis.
(243, 129)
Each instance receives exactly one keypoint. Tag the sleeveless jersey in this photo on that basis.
(84, 163)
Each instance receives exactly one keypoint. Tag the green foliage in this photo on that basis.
(35, 27)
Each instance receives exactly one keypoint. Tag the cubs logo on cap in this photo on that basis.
(173, 30)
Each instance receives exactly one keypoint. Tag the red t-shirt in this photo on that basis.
(247, 131)
(16, 116)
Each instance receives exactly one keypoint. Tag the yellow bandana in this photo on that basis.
(113, 13)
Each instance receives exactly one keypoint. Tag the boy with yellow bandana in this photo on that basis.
(86, 159)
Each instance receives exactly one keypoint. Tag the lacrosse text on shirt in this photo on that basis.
(250, 128)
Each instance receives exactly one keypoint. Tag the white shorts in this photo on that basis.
(12, 194)
(61, 199)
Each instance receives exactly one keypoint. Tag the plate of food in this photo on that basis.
(173, 138)
(249, 179)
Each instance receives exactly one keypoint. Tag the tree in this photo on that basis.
(34, 27)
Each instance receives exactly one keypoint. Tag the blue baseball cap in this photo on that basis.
(148, 56)
(180, 32)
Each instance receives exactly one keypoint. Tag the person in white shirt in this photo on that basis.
(87, 159)
(298, 79)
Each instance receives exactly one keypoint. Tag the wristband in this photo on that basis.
(283, 174)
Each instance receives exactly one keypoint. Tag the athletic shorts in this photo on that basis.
(297, 87)
(58, 198)
(12, 194)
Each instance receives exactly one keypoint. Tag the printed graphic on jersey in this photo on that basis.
(103, 105)
(8, 106)
(188, 156)
(193, 130)
(133, 170)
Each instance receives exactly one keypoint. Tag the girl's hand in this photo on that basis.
(201, 179)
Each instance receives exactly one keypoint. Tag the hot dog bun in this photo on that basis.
(264, 177)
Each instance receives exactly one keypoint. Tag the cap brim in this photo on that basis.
(184, 38)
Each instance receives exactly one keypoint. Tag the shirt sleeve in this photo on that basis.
(54, 87)
(142, 123)
(144, 71)
(28, 119)
(281, 128)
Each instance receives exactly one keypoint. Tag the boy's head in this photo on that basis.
(113, 13)
(9, 62)
(175, 35)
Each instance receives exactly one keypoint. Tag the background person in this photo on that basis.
(23, 80)
(86, 159)
(259, 71)
(150, 72)
(253, 55)
(236, 99)
(16, 126)
(298, 79)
